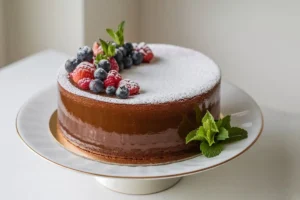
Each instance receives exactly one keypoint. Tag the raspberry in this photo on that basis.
(132, 86)
(84, 83)
(146, 51)
(110, 81)
(83, 70)
(113, 64)
(115, 74)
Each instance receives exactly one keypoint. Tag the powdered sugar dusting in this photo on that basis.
(175, 73)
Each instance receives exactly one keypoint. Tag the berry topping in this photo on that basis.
(129, 47)
(146, 51)
(118, 55)
(104, 64)
(96, 86)
(110, 90)
(113, 64)
(132, 86)
(83, 70)
(121, 66)
(122, 92)
(71, 64)
(115, 74)
(85, 53)
(137, 57)
(84, 83)
(110, 81)
(123, 51)
(127, 62)
(97, 49)
(100, 74)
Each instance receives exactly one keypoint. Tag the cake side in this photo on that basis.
(144, 133)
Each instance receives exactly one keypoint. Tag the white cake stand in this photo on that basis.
(32, 125)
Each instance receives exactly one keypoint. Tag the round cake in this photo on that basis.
(149, 127)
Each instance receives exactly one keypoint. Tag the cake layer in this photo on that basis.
(145, 132)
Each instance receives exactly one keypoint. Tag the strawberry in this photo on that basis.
(115, 74)
(97, 49)
(83, 70)
(146, 51)
(113, 64)
(84, 83)
(110, 81)
(132, 86)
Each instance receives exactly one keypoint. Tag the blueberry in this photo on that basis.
(96, 86)
(104, 64)
(118, 55)
(122, 92)
(123, 51)
(127, 62)
(137, 57)
(110, 90)
(100, 74)
(129, 47)
(85, 53)
(71, 64)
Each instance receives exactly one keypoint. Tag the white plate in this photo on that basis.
(33, 127)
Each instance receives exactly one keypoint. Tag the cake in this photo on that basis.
(149, 126)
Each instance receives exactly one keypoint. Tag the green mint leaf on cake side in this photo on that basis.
(117, 36)
(214, 133)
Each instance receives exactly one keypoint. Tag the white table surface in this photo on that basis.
(269, 170)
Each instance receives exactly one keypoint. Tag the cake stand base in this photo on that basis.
(131, 186)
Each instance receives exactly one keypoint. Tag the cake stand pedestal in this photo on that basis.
(135, 186)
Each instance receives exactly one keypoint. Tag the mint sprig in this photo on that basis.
(117, 36)
(108, 51)
(214, 133)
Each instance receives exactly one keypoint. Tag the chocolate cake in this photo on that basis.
(149, 126)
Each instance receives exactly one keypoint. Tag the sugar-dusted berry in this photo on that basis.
(122, 92)
(113, 64)
(84, 83)
(110, 81)
(132, 86)
(83, 70)
(96, 86)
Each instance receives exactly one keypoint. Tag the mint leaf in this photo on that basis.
(99, 57)
(104, 46)
(111, 50)
(112, 34)
(223, 134)
(121, 27)
(198, 115)
(201, 133)
(236, 134)
(191, 136)
(207, 136)
(224, 122)
(211, 151)
(209, 123)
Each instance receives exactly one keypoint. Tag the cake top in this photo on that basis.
(174, 74)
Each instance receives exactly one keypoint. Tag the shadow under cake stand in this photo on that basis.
(36, 126)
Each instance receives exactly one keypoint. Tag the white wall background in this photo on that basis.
(103, 14)
(34, 25)
(255, 42)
